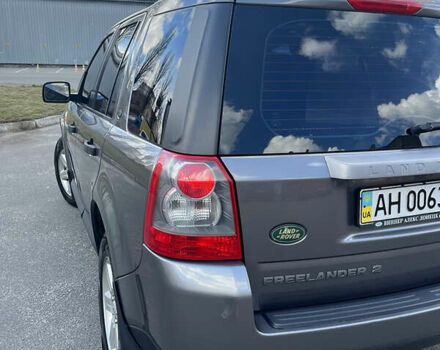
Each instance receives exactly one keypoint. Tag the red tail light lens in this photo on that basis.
(403, 7)
(195, 180)
(191, 211)
(194, 248)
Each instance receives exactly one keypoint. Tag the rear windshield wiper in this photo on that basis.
(423, 128)
(411, 139)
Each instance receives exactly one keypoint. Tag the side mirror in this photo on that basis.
(56, 92)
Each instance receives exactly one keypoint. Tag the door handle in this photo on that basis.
(72, 128)
(90, 148)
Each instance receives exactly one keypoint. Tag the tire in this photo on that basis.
(61, 173)
(108, 310)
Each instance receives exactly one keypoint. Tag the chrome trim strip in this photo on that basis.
(377, 164)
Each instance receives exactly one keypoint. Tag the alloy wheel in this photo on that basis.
(109, 306)
(62, 171)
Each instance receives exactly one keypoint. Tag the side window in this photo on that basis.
(94, 68)
(159, 64)
(112, 66)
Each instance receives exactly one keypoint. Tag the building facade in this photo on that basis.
(58, 31)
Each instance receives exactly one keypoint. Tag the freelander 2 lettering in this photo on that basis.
(321, 275)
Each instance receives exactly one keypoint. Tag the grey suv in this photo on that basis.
(261, 174)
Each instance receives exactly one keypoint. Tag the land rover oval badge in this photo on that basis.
(288, 234)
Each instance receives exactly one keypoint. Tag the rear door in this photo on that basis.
(91, 120)
(314, 101)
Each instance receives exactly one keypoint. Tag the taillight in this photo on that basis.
(191, 211)
(403, 7)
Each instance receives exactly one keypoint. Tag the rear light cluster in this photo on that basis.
(191, 211)
(403, 7)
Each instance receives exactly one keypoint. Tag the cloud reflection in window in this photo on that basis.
(233, 122)
(397, 52)
(355, 24)
(287, 144)
(320, 50)
(415, 109)
(426, 104)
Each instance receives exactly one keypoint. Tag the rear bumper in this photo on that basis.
(185, 305)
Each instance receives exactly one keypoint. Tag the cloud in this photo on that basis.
(313, 48)
(286, 144)
(320, 50)
(233, 122)
(437, 29)
(405, 28)
(355, 24)
(399, 51)
(426, 104)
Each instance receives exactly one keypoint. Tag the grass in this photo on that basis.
(18, 103)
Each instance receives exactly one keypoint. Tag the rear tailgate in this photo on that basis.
(338, 259)
(312, 104)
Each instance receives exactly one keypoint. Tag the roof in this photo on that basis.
(157, 7)
(428, 9)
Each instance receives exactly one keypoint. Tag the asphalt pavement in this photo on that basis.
(48, 268)
(28, 75)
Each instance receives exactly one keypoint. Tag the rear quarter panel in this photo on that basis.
(121, 193)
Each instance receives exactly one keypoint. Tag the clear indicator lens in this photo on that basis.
(181, 211)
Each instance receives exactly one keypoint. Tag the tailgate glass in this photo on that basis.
(307, 80)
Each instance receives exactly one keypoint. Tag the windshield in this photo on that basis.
(307, 80)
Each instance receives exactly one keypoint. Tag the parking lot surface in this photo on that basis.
(48, 269)
(28, 75)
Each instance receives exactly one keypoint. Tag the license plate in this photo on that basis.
(400, 205)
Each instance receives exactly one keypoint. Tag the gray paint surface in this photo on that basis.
(121, 193)
(57, 32)
(48, 269)
(209, 307)
(199, 87)
(298, 189)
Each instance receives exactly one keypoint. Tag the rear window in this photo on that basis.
(309, 80)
